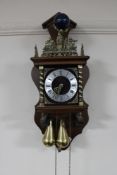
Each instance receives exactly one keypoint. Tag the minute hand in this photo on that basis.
(58, 89)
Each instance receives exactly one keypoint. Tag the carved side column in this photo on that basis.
(41, 84)
(80, 85)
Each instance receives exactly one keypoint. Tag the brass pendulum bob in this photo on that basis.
(63, 139)
(48, 138)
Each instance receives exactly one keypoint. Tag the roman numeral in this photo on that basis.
(71, 91)
(50, 91)
(60, 72)
(73, 85)
(47, 85)
(71, 78)
(54, 74)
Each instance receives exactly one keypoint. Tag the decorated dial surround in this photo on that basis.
(61, 85)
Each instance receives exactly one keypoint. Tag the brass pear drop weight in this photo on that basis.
(48, 138)
(63, 139)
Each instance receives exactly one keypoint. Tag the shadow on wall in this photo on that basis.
(97, 95)
(20, 96)
(20, 93)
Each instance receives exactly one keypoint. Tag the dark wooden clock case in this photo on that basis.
(75, 116)
(43, 113)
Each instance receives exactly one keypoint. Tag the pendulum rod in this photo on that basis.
(69, 162)
(55, 160)
(70, 159)
(70, 145)
(55, 148)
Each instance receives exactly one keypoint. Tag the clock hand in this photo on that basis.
(58, 89)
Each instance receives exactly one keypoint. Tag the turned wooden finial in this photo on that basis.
(82, 50)
(36, 52)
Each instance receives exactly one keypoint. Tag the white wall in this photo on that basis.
(36, 11)
(21, 149)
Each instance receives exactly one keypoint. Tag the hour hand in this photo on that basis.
(58, 89)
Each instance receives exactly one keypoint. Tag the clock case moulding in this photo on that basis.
(75, 116)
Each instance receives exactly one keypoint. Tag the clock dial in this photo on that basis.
(61, 85)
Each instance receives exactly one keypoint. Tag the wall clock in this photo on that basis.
(60, 75)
